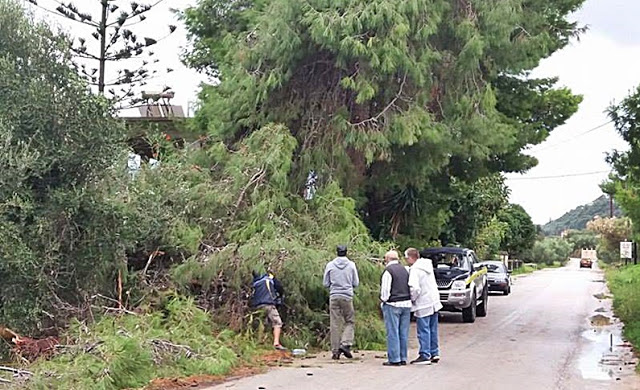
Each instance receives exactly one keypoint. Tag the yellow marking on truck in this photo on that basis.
(475, 275)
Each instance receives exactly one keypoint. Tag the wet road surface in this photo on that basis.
(539, 337)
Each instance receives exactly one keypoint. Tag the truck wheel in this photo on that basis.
(469, 313)
(483, 307)
(507, 290)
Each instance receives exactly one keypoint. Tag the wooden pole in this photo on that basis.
(119, 289)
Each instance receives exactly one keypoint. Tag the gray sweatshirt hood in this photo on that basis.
(341, 262)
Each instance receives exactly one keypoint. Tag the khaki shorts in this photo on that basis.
(272, 315)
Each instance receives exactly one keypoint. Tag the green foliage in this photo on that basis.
(535, 108)
(610, 232)
(549, 251)
(624, 182)
(129, 351)
(489, 239)
(424, 95)
(529, 268)
(272, 229)
(624, 283)
(58, 240)
(582, 239)
(520, 234)
(577, 218)
(473, 208)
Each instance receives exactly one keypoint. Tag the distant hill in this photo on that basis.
(578, 217)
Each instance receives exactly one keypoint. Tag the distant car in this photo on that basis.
(586, 263)
(499, 277)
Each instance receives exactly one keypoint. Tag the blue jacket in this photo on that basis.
(267, 290)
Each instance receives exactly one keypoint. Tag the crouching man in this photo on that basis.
(267, 294)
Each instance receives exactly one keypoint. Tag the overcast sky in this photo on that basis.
(602, 66)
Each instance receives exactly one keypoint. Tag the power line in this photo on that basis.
(575, 136)
(559, 176)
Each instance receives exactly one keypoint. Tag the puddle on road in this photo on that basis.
(600, 320)
(599, 361)
(606, 356)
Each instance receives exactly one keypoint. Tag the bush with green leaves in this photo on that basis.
(549, 251)
(58, 240)
(623, 283)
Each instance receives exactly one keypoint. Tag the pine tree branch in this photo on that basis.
(84, 54)
(114, 57)
(375, 119)
(256, 178)
(58, 14)
(134, 15)
(85, 18)
(15, 370)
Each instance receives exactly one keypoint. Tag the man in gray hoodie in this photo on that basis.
(341, 277)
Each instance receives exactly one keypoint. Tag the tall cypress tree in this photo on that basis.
(391, 99)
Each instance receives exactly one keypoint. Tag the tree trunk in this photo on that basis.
(103, 45)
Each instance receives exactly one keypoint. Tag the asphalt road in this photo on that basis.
(539, 337)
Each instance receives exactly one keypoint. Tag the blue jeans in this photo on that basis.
(428, 335)
(397, 321)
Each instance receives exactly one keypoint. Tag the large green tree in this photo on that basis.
(624, 182)
(56, 142)
(395, 100)
(473, 207)
(520, 234)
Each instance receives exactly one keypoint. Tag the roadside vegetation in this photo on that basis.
(122, 352)
(623, 183)
(146, 275)
(528, 268)
(624, 283)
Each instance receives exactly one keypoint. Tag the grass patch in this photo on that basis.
(131, 350)
(527, 269)
(624, 283)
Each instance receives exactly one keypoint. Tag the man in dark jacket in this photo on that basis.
(267, 294)
(341, 277)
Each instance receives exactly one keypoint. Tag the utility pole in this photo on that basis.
(610, 205)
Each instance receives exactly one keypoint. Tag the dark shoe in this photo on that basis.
(335, 356)
(435, 359)
(279, 347)
(390, 364)
(421, 360)
(346, 352)
(403, 363)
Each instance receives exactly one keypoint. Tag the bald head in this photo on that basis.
(391, 256)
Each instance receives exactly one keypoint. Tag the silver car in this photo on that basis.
(499, 277)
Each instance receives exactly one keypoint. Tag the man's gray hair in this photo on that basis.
(392, 255)
(411, 253)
